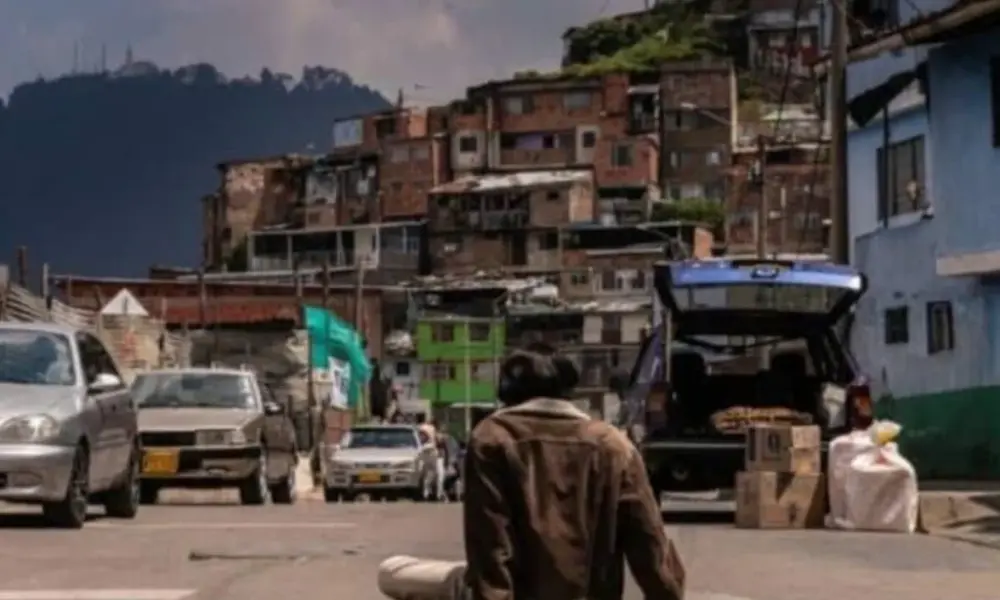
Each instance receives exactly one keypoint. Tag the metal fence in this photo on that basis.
(137, 342)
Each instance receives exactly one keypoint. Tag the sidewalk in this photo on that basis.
(966, 511)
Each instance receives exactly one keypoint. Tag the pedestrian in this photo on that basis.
(555, 501)
(441, 444)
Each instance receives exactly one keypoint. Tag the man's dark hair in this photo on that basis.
(534, 372)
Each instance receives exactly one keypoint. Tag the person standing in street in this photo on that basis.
(556, 502)
(441, 443)
(428, 437)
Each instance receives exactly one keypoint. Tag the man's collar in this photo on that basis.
(547, 407)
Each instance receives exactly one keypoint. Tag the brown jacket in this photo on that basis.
(554, 501)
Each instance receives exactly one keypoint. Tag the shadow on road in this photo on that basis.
(689, 517)
(33, 520)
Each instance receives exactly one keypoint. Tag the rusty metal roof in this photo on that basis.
(510, 181)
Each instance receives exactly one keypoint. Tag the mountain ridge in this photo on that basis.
(102, 173)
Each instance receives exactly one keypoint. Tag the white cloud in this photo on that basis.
(442, 45)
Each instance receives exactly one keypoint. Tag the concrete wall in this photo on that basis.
(966, 164)
(905, 122)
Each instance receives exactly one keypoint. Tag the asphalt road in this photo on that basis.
(314, 550)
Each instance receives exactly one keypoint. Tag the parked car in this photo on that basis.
(383, 460)
(68, 431)
(213, 428)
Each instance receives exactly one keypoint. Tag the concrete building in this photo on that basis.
(924, 168)
(697, 101)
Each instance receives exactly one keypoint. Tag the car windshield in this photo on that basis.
(35, 358)
(193, 390)
(379, 437)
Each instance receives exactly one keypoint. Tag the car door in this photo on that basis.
(116, 413)
(279, 433)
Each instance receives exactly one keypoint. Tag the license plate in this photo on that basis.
(159, 462)
(369, 477)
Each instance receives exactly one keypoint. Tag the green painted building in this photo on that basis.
(458, 358)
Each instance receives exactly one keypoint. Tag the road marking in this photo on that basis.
(213, 525)
(95, 594)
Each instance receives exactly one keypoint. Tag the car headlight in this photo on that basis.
(34, 428)
(407, 464)
(220, 437)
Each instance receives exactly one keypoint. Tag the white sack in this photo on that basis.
(881, 491)
(410, 578)
(843, 449)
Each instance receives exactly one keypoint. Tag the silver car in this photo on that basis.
(214, 428)
(68, 425)
(380, 460)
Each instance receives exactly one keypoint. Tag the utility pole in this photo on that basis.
(837, 103)
(763, 209)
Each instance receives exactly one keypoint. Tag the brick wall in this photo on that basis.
(406, 175)
(463, 254)
(556, 206)
(705, 84)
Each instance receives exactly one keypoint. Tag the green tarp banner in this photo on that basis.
(336, 350)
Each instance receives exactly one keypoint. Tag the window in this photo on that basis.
(609, 281)
(680, 120)
(483, 372)
(576, 100)
(479, 332)
(897, 325)
(442, 332)
(995, 99)
(579, 279)
(399, 154)
(420, 152)
(612, 322)
(439, 372)
(548, 141)
(940, 327)
(518, 105)
(385, 127)
(589, 139)
(402, 369)
(549, 241)
(621, 155)
(639, 280)
(905, 178)
(467, 144)
(553, 195)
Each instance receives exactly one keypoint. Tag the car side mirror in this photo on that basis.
(273, 408)
(104, 382)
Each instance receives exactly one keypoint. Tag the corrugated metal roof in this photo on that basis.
(509, 181)
(616, 305)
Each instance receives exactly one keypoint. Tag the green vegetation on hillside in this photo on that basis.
(639, 42)
(711, 214)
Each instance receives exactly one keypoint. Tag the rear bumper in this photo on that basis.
(696, 465)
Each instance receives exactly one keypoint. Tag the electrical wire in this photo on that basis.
(764, 229)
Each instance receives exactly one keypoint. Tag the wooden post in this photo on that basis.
(46, 295)
(326, 282)
(99, 300)
(22, 266)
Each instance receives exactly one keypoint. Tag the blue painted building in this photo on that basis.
(924, 194)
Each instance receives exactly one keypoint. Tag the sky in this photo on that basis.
(432, 49)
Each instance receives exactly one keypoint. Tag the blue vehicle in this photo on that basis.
(754, 334)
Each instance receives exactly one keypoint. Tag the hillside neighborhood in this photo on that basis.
(535, 207)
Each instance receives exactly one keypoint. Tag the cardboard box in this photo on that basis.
(783, 448)
(769, 500)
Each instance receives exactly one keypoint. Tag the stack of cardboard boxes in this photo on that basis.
(782, 486)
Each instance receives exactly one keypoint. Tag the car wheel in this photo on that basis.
(149, 492)
(122, 501)
(331, 495)
(284, 491)
(71, 511)
(254, 490)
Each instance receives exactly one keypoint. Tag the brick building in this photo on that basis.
(796, 186)
(557, 123)
(508, 222)
(698, 105)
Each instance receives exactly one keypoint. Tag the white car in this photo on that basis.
(384, 461)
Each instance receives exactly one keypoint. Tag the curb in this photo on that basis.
(967, 515)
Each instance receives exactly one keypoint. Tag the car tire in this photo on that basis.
(71, 511)
(149, 492)
(284, 491)
(254, 490)
(122, 501)
(331, 495)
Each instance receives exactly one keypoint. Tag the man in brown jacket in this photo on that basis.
(556, 502)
